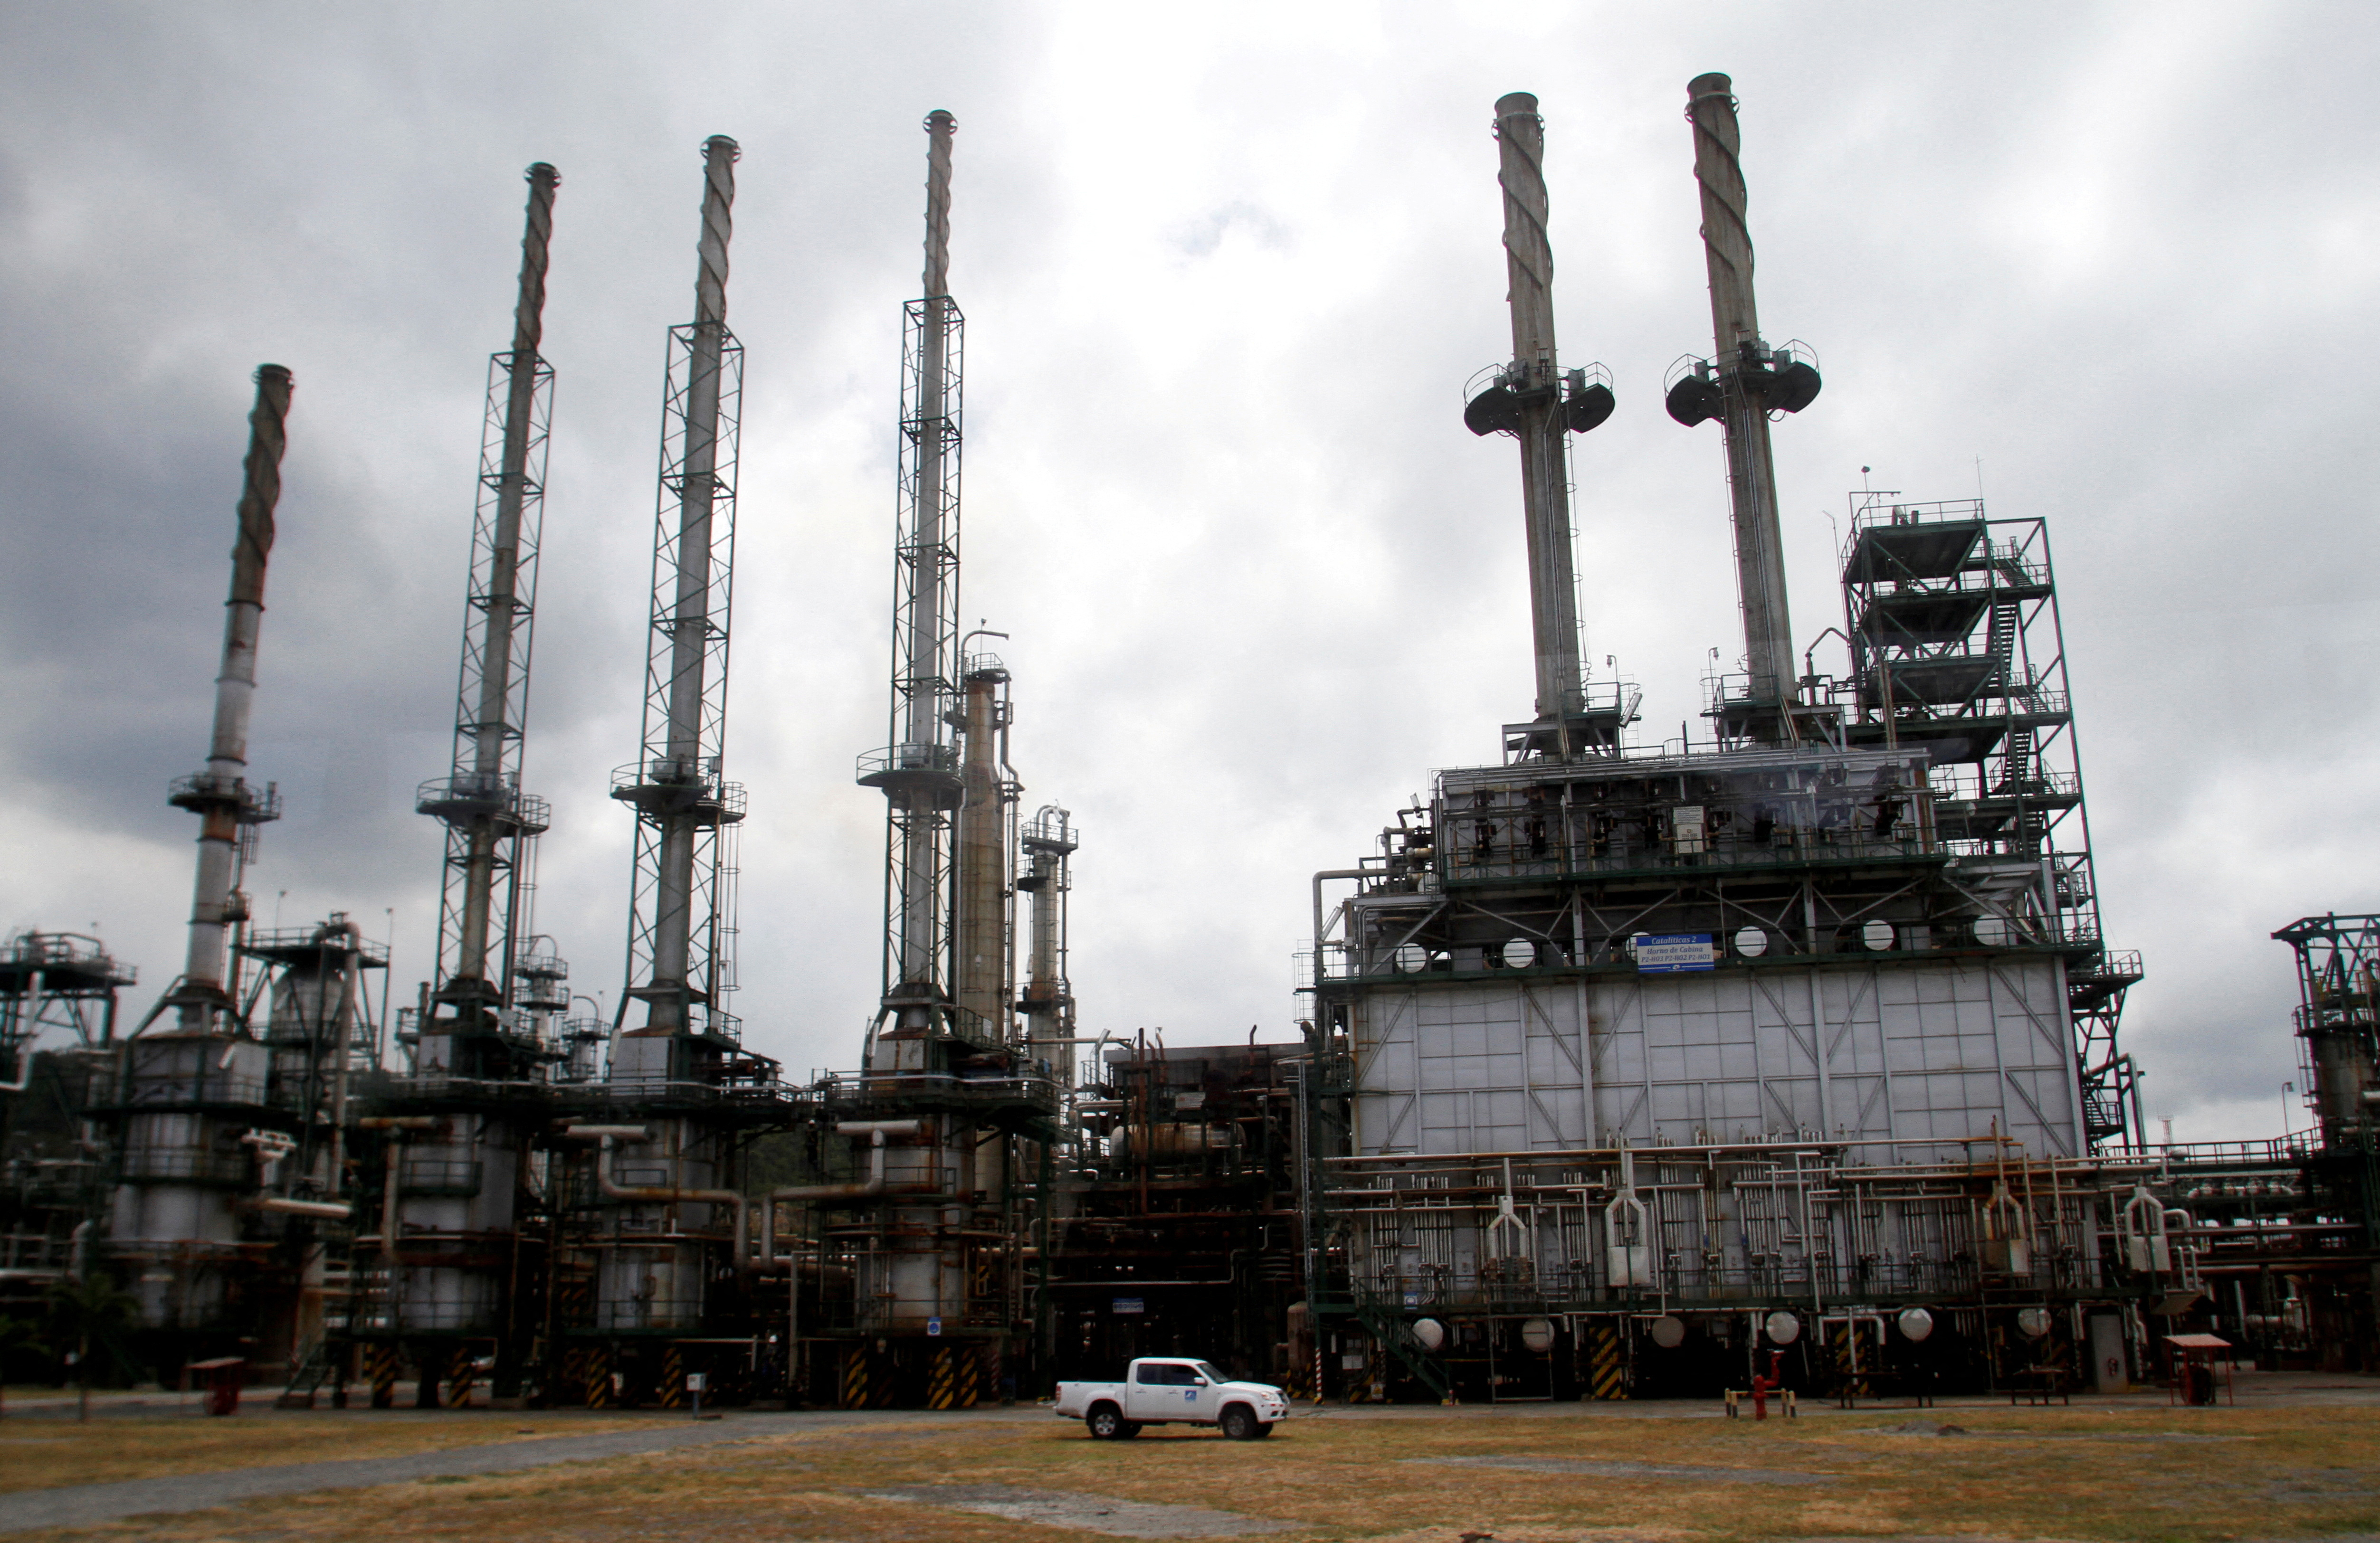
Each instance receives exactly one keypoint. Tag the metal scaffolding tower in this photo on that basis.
(55, 980)
(1957, 650)
(918, 769)
(491, 826)
(2338, 1024)
(681, 925)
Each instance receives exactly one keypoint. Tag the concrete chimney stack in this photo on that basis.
(1744, 380)
(1535, 410)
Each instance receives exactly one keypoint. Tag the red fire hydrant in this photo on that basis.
(1762, 1386)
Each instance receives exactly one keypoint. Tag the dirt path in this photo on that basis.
(89, 1504)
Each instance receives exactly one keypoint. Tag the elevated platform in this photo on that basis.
(664, 789)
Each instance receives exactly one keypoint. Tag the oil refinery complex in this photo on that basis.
(1618, 1067)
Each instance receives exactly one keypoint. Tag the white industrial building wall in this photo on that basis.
(1910, 1054)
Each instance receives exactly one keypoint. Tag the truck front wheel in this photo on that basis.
(1239, 1423)
(1107, 1424)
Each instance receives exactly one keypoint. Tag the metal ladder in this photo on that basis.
(1398, 1336)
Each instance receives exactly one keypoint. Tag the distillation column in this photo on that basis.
(928, 1240)
(681, 922)
(455, 1162)
(197, 1082)
(1742, 382)
(668, 1225)
(983, 927)
(490, 822)
(1048, 1004)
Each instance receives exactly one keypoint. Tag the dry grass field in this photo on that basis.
(48, 1451)
(2120, 1472)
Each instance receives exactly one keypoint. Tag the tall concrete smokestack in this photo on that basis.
(1545, 480)
(1534, 401)
(1744, 381)
(220, 795)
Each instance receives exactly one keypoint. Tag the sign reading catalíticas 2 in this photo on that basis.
(1668, 953)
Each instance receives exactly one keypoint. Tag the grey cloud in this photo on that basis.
(1261, 579)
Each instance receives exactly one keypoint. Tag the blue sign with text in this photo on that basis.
(1674, 953)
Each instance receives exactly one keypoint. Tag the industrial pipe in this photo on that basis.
(329, 1211)
(663, 1194)
(867, 1189)
(393, 1157)
(874, 1184)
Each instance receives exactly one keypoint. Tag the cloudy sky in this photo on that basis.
(1225, 270)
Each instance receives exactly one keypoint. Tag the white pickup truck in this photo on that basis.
(1164, 1390)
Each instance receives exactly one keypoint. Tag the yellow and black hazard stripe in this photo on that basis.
(672, 1378)
(1838, 1341)
(853, 1394)
(598, 1373)
(379, 1371)
(1606, 1366)
(942, 1379)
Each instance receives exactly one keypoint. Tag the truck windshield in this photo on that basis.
(1207, 1370)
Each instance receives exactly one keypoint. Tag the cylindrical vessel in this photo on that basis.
(981, 973)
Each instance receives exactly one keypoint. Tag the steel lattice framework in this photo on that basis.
(1956, 647)
(681, 929)
(918, 768)
(491, 826)
(920, 771)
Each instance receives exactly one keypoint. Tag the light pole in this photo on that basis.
(2287, 1090)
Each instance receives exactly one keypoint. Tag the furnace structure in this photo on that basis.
(1784, 1022)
